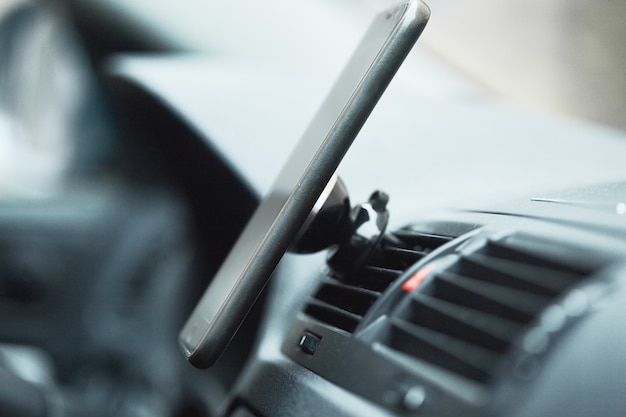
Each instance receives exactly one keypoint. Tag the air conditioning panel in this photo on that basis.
(341, 301)
(472, 311)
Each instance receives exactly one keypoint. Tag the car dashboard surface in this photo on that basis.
(477, 305)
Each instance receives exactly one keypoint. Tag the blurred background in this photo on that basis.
(96, 247)
(558, 57)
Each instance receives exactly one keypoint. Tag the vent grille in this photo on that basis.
(469, 315)
(342, 301)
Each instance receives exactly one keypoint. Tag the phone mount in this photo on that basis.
(280, 215)
(351, 233)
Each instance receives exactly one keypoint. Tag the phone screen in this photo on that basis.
(282, 212)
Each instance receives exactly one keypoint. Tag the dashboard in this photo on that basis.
(517, 292)
(497, 289)
(515, 288)
(471, 313)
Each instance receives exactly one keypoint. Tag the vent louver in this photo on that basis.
(469, 314)
(342, 301)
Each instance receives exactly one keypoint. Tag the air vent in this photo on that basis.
(469, 313)
(342, 301)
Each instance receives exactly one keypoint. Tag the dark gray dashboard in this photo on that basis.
(360, 366)
(450, 166)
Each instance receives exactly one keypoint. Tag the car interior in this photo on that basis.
(465, 257)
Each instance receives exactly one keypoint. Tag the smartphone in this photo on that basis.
(269, 232)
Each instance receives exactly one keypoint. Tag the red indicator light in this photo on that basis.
(412, 283)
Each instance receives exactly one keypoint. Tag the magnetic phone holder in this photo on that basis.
(351, 233)
(328, 222)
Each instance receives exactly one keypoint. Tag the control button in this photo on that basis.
(414, 398)
(309, 342)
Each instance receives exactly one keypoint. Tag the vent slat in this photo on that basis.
(351, 299)
(535, 279)
(537, 252)
(341, 301)
(488, 298)
(401, 258)
(332, 315)
(419, 239)
(444, 351)
(488, 332)
(375, 278)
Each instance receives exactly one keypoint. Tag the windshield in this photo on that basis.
(563, 58)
